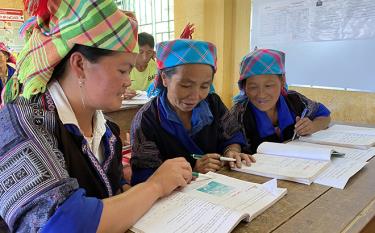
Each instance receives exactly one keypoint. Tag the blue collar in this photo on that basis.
(171, 123)
(201, 115)
(264, 125)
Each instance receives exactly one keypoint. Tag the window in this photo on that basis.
(154, 16)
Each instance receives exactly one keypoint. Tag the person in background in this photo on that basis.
(60, 158)
(145, 69)
(265, 109)
(7, 65)
(184, 119)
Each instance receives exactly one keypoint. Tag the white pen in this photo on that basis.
(197, 174)
(222, 158)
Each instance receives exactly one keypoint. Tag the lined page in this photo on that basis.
(350, 153)
(296, 151)
(337, 138)
(287, 168)
(339, 172)
(180, 212)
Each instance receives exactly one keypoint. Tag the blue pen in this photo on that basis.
(302, 116)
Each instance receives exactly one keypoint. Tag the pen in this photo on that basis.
(336, 153)
(302, 116)
(222, 158)
(197, 174)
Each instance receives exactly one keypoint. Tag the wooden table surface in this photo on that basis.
(317, 208)
(305, 208)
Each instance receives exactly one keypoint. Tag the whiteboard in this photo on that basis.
(328, 43)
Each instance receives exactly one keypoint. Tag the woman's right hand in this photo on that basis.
(173, 173)
(209, 162)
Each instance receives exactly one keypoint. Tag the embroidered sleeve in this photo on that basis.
(315, 109)
(145, 153)
(230, 126)
(33, 181)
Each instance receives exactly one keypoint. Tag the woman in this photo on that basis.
(184, 119)
(265, 110)
(7, 64)
(60, 159)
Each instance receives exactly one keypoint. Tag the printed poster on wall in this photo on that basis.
(10, 22)
(285, 21)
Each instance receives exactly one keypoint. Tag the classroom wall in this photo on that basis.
(15, 4)
(226, 23)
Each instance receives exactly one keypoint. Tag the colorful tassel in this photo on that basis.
(187, 32)
(27, 26)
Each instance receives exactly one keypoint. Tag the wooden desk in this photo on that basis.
(317, 208)
(123, 118)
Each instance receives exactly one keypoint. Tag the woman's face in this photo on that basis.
(106, 80)
(188, 86)
(263, 91)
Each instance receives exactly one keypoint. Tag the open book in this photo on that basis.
(140, 99)
(296, 163)
(215, 204)
(345, 136)
(341, 169)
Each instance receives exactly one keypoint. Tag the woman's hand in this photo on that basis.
(173, 173)
(240, 157)
(209, 162)
(304, 126)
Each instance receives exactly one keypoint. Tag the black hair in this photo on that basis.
(243, 82)
(92, 54)
(170, 71)
(146, 39)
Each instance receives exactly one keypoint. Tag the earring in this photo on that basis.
(81, 84)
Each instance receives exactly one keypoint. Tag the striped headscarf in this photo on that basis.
(61, 24)
(258, 62)
(184, 51)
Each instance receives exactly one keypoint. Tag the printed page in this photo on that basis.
(140, 99)
(338, 138)
(353, 129)
(339, 172)
(350, 153)
(296, 151)
(245, 197)
(179, 213)
(287, 168)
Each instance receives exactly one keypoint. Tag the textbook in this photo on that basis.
(213, 205)
(342, 168)
(345, 136)
(296, 163)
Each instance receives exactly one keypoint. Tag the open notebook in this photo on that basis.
(345, 136)
(216, 205)
(341, 169)
(298, 163)
(140, 99)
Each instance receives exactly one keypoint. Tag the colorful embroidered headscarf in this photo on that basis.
(183, 51)
(11, 58)
(60, 25)
(258, 62)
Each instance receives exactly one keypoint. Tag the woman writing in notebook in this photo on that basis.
(265, 109)
(184, 119)
(60, 159)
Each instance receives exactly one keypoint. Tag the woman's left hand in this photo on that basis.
(240, 157)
